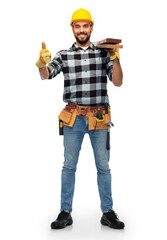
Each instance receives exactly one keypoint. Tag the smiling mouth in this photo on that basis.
(82, 35)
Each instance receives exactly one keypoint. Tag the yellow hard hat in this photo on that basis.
(81, 14)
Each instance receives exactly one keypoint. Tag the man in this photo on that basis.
(85, 70)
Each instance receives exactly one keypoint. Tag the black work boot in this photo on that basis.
(64, 219)
(111, 220)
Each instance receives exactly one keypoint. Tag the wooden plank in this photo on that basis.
(109, 46)
(110, 40)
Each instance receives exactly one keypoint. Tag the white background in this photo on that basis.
(31, 154)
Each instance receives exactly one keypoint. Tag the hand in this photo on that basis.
(114, 54)
(45, 57)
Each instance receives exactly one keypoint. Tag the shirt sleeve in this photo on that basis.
(109, 67)
(55, 66)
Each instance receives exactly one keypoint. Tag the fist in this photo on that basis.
(114, 54)
(45, 55)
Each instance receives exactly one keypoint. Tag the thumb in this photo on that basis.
(43, 45)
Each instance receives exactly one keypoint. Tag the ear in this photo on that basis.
(91, 28)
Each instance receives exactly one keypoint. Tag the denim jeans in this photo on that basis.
(73, 137)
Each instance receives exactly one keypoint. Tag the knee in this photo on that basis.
(102, 164)
(103, 169)
(68, 169)
(70, 164)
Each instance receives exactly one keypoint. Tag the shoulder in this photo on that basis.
(66, 51)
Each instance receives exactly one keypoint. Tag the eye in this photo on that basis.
(86, 25)
(77, 26)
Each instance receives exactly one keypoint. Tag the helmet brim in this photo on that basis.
(78, 20)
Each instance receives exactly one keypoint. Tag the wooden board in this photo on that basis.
(109, 46)
(109, 41)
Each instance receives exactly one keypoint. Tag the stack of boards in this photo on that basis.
(109, 43)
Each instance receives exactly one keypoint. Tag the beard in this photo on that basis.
(82, 42)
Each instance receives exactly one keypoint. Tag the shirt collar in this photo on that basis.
(75, 47)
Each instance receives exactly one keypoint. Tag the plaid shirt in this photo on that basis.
(85, 74)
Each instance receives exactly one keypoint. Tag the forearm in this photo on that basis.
(44, 73)
(117, 74)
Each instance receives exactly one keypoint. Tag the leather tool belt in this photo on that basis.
(83, 111)
(71, 110)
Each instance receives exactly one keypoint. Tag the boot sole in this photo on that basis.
(59, 226)
(106, 223)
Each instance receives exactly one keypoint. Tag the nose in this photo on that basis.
(82, 29)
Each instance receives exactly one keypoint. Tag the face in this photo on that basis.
(82, 31)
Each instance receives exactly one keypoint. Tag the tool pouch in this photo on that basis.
(68, 117)
(93, 124)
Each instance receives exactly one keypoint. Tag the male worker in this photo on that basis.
(85, 70)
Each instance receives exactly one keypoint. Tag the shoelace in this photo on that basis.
(113, 214)
(62, 215)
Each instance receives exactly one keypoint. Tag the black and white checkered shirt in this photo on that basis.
(85, 74)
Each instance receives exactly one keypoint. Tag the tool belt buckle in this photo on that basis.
(82, 111)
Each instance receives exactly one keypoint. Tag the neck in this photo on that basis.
(83, 45)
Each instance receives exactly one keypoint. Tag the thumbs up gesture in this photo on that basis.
(44, 58)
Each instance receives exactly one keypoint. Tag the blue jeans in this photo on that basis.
(73, 137)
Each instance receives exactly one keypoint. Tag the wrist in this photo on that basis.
(40, 64)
